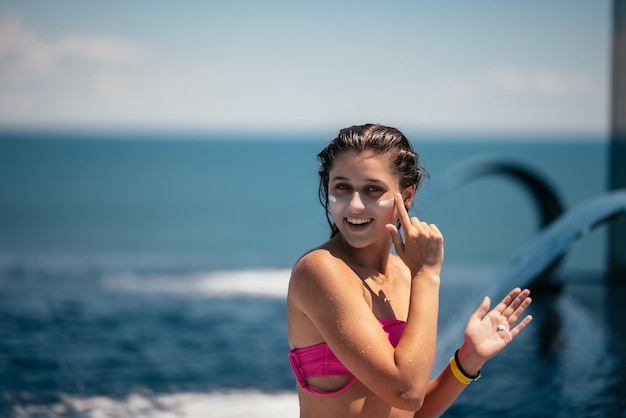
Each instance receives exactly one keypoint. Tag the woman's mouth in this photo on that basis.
(359, 221)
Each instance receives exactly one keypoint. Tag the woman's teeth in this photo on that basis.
(355, 221)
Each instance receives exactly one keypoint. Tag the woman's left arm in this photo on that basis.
(486, 334)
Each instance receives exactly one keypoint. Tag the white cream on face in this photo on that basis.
(332, 198)
(385, 203)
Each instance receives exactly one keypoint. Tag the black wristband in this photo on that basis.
(458, 364)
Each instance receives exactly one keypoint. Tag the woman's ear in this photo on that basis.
(407, 195)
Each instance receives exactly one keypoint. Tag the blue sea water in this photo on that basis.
(145, 275)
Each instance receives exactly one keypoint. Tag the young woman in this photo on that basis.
(362, 322)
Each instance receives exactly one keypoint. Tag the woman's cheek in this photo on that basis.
(335, 207)
(389, 213)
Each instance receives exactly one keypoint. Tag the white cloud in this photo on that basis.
(541, 81)
(62, 79)
(101, 80)
(458, 88)
(23, 53)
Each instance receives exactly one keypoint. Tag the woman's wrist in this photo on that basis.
(468, 362)
(425, 274)
(459, 374)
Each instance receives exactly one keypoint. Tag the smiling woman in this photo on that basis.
(361, 321)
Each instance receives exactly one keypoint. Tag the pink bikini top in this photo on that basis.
(319, 360)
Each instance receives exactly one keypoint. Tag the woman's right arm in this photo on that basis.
(421, 250)
(330, 295)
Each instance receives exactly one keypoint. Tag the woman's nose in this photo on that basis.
(356, 202)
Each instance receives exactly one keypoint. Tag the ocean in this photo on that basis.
(144, 275)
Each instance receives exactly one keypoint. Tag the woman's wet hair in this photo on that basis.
(382, 140)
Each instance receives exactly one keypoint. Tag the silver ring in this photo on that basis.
(501, 328)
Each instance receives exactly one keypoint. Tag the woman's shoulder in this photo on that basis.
(320, 280)
(320, 268)
(316, 262)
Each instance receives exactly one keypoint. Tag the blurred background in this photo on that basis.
(158, 179)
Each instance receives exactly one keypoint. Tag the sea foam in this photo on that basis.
(259, 283)
(237, 404)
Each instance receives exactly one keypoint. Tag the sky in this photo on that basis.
(532, 66)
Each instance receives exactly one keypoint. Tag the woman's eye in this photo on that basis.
(341, 189)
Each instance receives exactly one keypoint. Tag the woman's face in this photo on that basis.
(361, 188)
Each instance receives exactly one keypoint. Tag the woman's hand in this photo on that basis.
(422, 247)
(487, 333)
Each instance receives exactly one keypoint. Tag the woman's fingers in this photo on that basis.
(405, 222)
(396, 238)
(520, 327)
(421, 245)
(512, 308)
(518, 305)
(483, 308)
(511, 301)
(403, 214)
(517, 310)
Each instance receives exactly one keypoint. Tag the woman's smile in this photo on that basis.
(358, 224)
(359, 221)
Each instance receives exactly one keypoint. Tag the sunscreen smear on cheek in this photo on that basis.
(385, 203)
(332, 199)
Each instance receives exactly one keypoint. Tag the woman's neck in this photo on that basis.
(375, 257)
